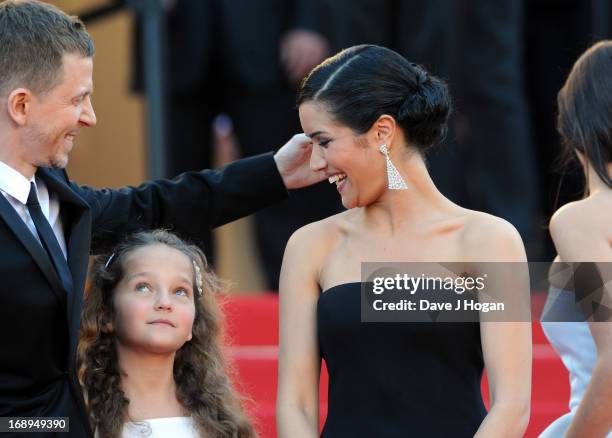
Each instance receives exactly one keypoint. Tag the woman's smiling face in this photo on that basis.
(350, 161)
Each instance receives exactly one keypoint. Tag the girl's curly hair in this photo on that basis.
(200, 371)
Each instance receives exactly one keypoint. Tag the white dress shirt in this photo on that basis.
(15, 187)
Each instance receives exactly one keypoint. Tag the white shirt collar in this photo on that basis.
(14, 183)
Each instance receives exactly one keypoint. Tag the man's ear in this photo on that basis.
(18, 105)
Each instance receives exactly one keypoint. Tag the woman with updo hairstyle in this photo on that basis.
(372, 116)
(577, 317)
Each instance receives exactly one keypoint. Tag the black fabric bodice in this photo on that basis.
(397, 379)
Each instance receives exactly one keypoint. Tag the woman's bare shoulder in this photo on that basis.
(594, 212)
(319, 235)
(491, 238)
(585, 220)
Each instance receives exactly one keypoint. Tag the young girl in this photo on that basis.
(150, 358)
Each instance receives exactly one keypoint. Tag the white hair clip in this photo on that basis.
(108, 262)
(198, 277)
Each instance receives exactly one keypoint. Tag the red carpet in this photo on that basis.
(252, 329)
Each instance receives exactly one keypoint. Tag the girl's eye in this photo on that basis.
(182, 292)
(324, 143)
(143, 287)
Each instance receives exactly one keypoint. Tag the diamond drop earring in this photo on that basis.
(396, 182)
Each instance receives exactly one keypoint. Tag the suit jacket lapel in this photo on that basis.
(33, 246)
(76, 221)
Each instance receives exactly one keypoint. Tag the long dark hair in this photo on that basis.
(200, 370)
(361, 83)
(585, 109)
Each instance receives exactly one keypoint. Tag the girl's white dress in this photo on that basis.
(174, 427)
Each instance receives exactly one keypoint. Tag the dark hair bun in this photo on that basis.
(361, 83)
(424, 113)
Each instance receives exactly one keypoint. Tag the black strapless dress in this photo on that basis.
(397, 379)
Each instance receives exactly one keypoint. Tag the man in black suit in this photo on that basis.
(49, 225)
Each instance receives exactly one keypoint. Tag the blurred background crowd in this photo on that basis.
(226, 83)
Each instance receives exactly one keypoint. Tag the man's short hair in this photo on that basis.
(34, 37)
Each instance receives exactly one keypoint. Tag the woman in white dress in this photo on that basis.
(582, 232)
(150, 357)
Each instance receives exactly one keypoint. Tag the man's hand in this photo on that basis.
(293, 162)
(300, 51)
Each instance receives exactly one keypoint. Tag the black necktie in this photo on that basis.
(48, 239)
